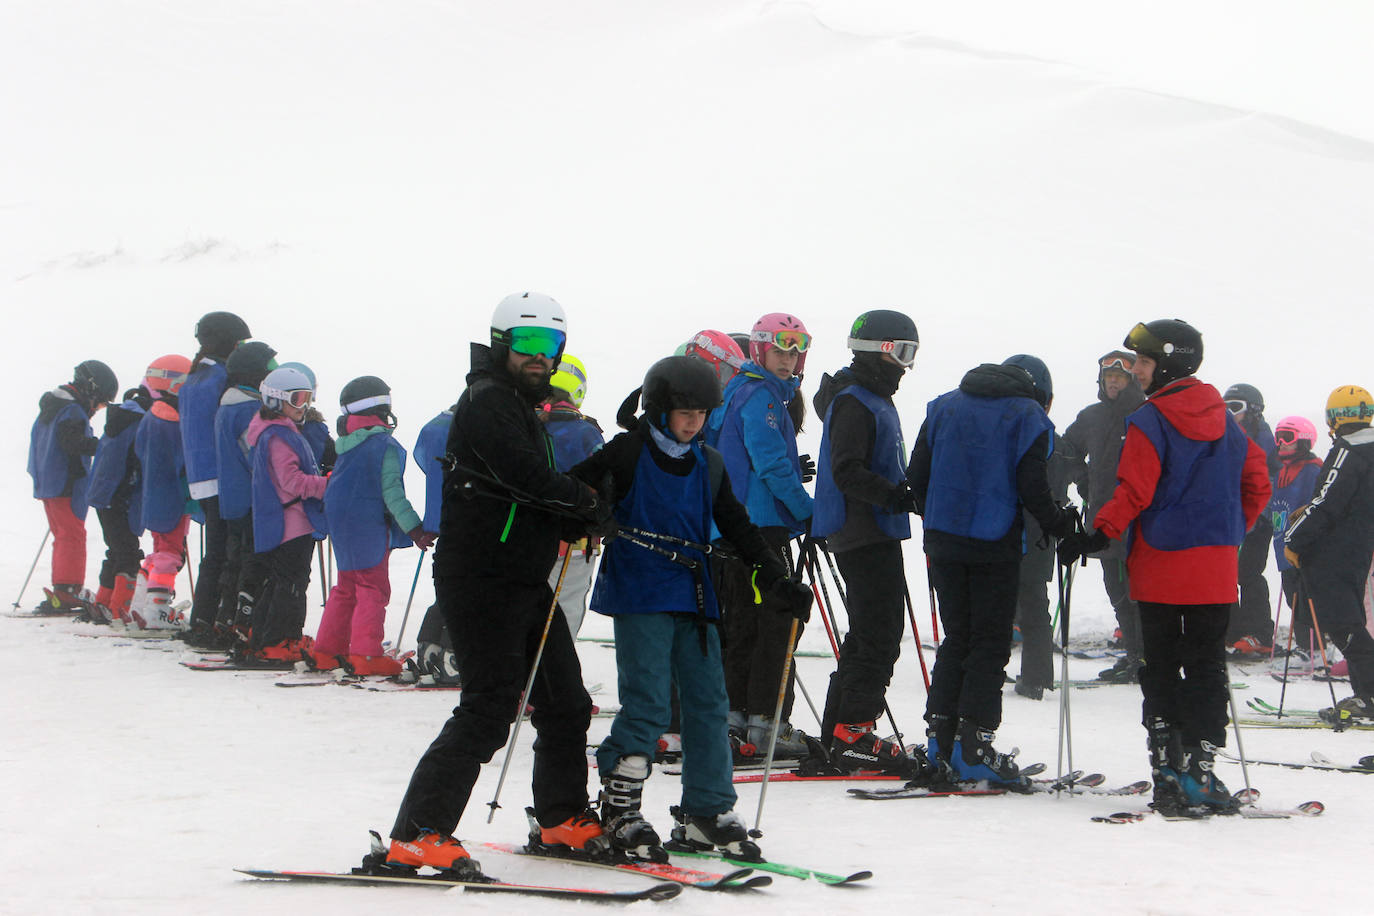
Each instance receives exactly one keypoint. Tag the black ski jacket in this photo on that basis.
(1338, 526)
(483, 531)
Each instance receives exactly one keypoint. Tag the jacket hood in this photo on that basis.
(237, 394)
(350, 441)
(118, 419)
(258, 425)
(991, 380)
(783, 389)
(51, 403)
(1194, 408)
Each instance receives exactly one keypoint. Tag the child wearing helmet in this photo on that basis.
(664, 480)
(165, 502)
(1294, 484)
(1251, 630)
(755, 435)
(369, 516)
(575, 436)
(116, 494)
(61, 444)
(1332, 541)
(718, 350)
(288, 517)
(217, 334)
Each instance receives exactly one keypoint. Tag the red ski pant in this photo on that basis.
(168, 556)
(68, 542)
(355, 614)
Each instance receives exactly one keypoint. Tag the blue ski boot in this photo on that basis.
(1200, 784)
(1166, 754)
(974, 759)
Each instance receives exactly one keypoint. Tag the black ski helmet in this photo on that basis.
(367, 396)
(678, 383)
(1174, 345)
(250, 362)
(1249, 395)
(96, 381)
(1039, 373)
(885, 331)
(219, 332)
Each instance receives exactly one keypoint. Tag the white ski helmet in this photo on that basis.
(528, 310)
(285, 385)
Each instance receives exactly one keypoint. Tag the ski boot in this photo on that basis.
(1355, 709)
(939, 742)
(65, 598)
(1166, 755)
(579, 836)
(791, 743)
(1200, 785)
(854, 746)
(1125, 671)
(669, 749)
(431, 848)
(157, 611)
(704, 832)
(440, 664)
(974, 759)
(622, 794)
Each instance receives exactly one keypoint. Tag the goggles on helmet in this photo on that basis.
(535, 341)
(1237, 406)
(172, 378)
(301, 397)
(704, 344)
(783, 339)
(358, 406)
(903, 351)
(1116, 361)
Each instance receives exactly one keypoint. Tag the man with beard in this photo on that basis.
(504, 511)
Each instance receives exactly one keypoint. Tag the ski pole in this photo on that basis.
(416, 581)
(1235, 724)
(1278, 611)
(934, 615)
(777, 723)
(329, 555)
(1321, 643)
(529, 685)
(324, 586)
(915, 632)
(47, 532)
(1065, 722)
(825, 614)
(1288, 657)
(796, 679)
(190, 574)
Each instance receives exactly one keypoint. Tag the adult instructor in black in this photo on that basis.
(491, 568)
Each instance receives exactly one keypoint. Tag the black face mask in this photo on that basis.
(877, 374)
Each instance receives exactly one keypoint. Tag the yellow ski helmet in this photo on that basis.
(1348, 404)
(571, 377)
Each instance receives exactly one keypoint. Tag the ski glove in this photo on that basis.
(792, 598)
(423, 539)
(1066, 525)
(1080, 544)
(601, 522)
(808, 468)
(901, 501)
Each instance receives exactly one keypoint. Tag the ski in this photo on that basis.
(384, 876)
(735, 879)
(777, 868)
(794, 776)
(263, 667)
(1076, 783)
(1318, 761)
(1250, 812)
(1266, 708)
(1301, 722)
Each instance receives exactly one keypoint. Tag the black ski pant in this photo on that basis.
(123, 553)
(1033, 614)
(1252, 616)
(977, 606)
(755, 635)
(1300, 615)
(1183, 680)
(243, 577)
(875, 602)
(1118, 585)
(1336, 587)
(209, 597)
(279, 614)
(496, 625)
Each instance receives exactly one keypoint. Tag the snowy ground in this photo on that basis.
(362, 181)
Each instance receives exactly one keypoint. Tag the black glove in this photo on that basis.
(901, 501)
(791, 597)
(1066, 525)
(1080, 544)
(598, 511)
(808, 468)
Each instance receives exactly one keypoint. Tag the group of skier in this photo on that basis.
(701, 500)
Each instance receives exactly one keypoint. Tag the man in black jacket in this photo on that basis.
(1095, 438)
(498, 539)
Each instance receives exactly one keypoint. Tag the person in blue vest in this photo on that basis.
(116, 494)
(433, 646)
(1251, 627)
(288, 517)
(575, 436)
(217, 333)
(314, 427)
(980, 457)
(665, 480)
(861, 510)
(167, 505)
(369, 516)
(1190, 484)
(241, 580)
(61, 445)
(1294, 485)
(755, 435)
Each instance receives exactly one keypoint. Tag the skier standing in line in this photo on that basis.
(1191, 483)
(433, 649)
(218, 333)
(165, 498)
(1294, 485)
(61, 444)
(981, 456)
(1332, 541)
(755, 435)
(1251, 630)
(663, 479)
(116, 494)
(491, 570)
(369, 516)
(1094, 439)
(861, 510)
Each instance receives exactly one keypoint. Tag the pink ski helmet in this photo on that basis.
(1295, 429)
(781, 330)
(717, 349)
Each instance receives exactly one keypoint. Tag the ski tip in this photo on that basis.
(1311, 808)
